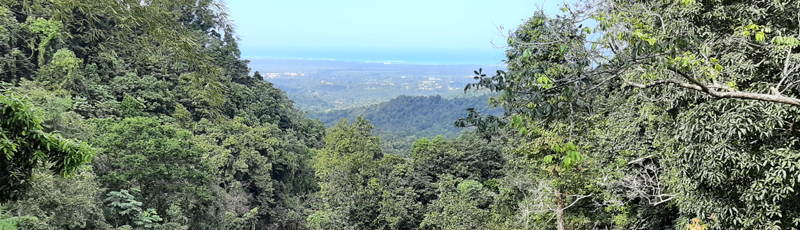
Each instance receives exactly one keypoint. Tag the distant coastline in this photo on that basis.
(413, 56)
(361, 61)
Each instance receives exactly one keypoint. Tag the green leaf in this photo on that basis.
(570, 146)
(548, 159)
(761, 36)
(523, 131)
(566, 163)
(732, 84)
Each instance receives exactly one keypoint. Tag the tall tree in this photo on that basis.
(345, 168)
(359, 187)
(549, 120)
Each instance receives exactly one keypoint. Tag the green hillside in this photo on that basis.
(402, 120)
(123, 115)
(423, 116)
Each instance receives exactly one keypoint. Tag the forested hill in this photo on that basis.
(400, 121)
(124, 115)
(421, 116)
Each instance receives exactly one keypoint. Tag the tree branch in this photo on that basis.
(698, 86)
(785, 68)
(579, 198)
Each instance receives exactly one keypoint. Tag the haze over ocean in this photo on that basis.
(408, 56)
(408, 31)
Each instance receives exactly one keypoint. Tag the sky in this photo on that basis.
(408, 31)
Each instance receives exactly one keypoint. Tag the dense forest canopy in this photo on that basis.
(149, 116)
(676, 114)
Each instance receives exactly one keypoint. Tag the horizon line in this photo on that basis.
(376, 62)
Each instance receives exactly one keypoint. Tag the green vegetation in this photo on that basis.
(411, 115)
(401, 121)
(113, 118)
(665, 115)
(677, 114)
(26, 146)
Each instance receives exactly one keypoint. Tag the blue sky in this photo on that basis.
(408, 31)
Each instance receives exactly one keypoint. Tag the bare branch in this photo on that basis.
(538, 43)
(645, 183)
(698, 86)
(662, 82)
(663, 201)
(785, 68)
(640, 159)
(739, 94)
(579, 198)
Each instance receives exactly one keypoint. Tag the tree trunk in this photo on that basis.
(560, 209)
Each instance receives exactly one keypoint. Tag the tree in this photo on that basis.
(545, 108)
(345, 168)
(466, 157)
(687, 45)
(8, 222)
(62, 203)
(150, 25)
(26, 146)
(696, 56)
(119, 74)
(422, 116)
(262, 170)
(160, 162)
(125, 205)
(462, 205)
(683, 98)
(359, 187)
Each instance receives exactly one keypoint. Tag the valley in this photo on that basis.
(324, 85)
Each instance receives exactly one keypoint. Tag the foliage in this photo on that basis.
(8, 222)
(723, 154)
(345, 168)
(659, 115)
(672, 105)
(62, 203)
(402, 120)
(360, 188)
(260, 167)
(131, 209)
(143, 83)
(159, 161)
(465, 157)
(462, 204)
(26, 146)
